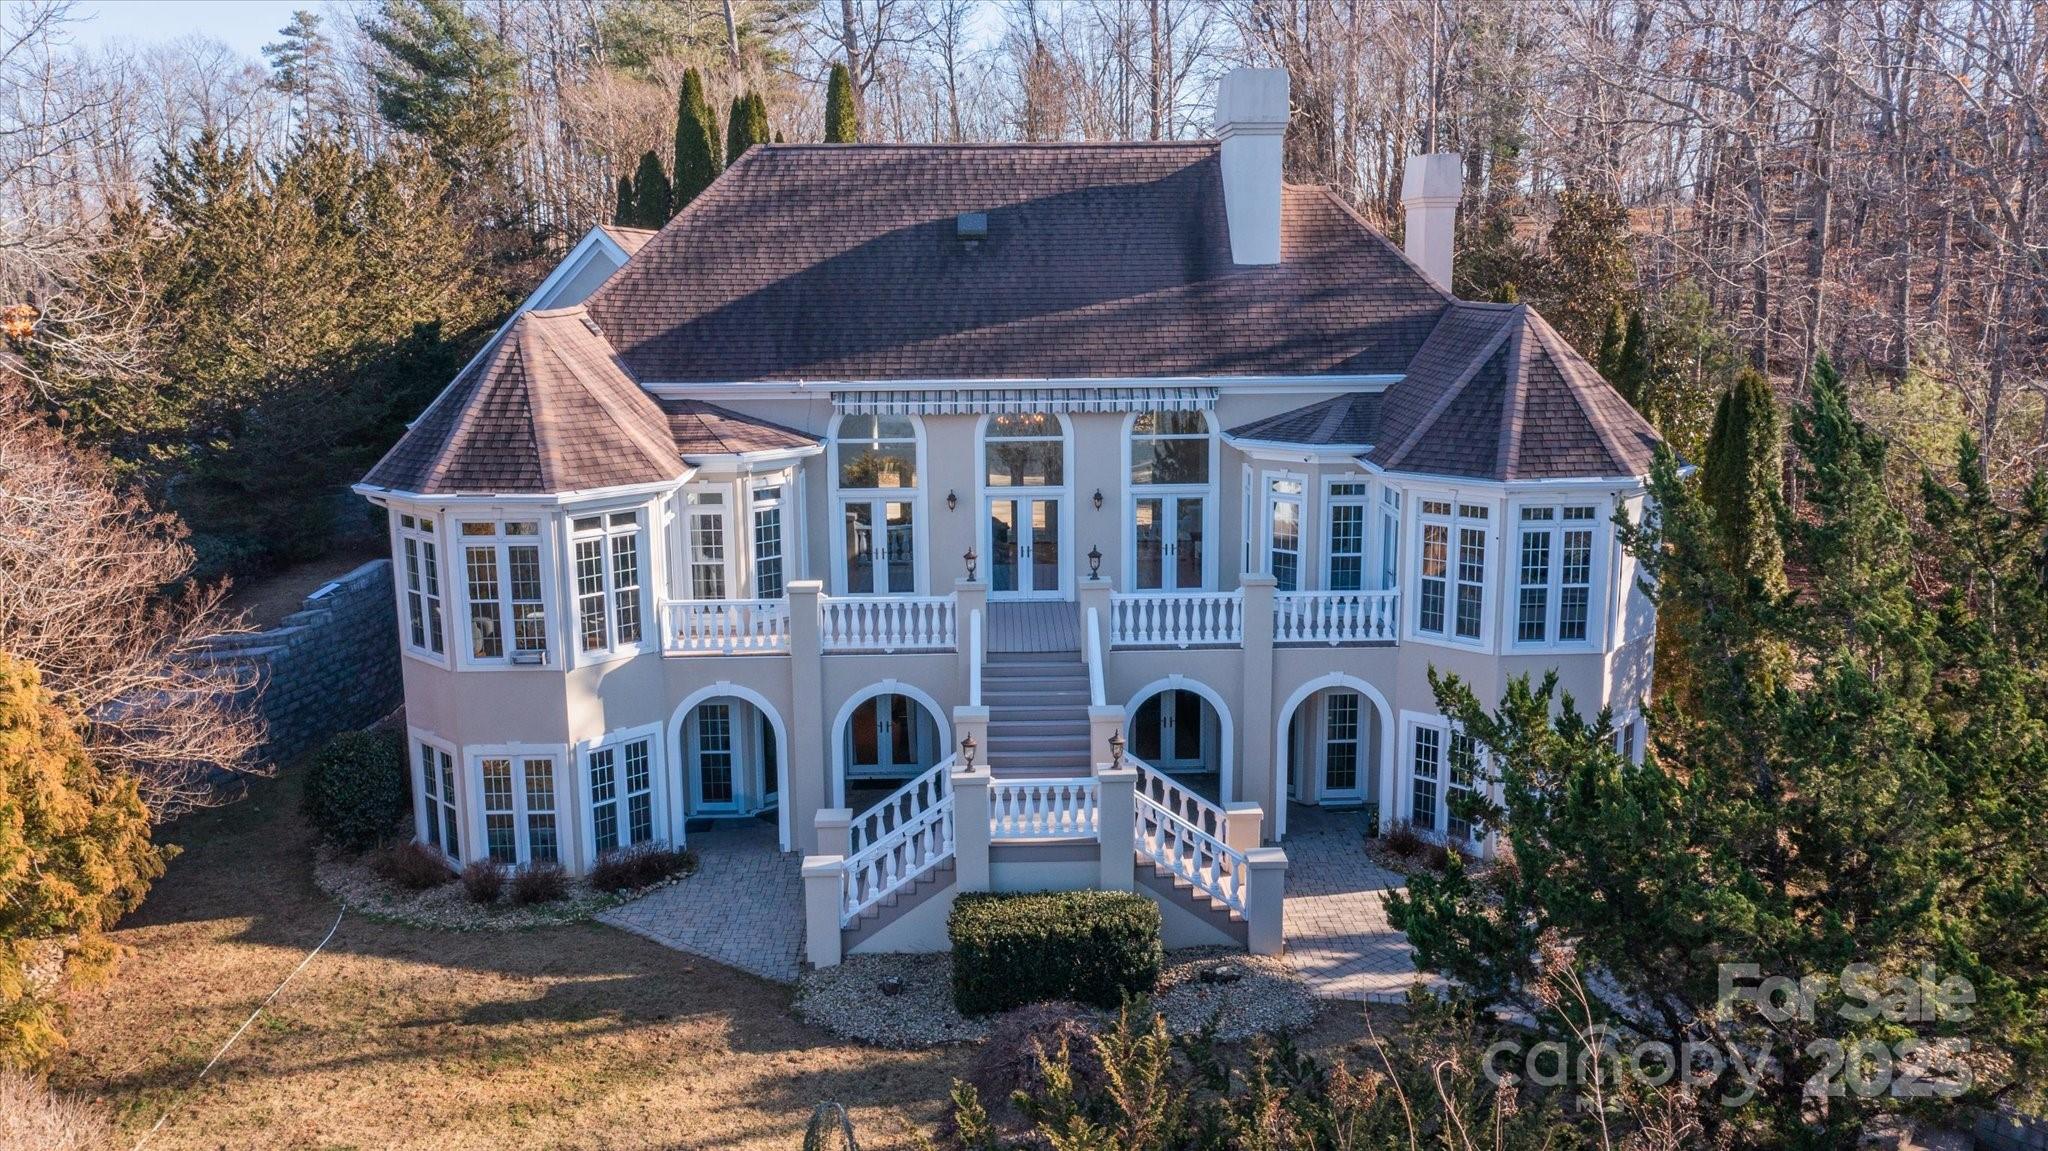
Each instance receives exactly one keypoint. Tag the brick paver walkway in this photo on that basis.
(744, 907)
(1337, 932)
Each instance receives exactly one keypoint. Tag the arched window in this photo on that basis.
(1170, 501)
(1024, 476)
(875, 475)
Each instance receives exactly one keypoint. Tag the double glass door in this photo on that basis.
(1166, 732)
(890, 736)
(881, 547)
(1169, 530)
(1024, 545)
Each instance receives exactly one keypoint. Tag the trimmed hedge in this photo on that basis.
(1093, 947)
(358, 792)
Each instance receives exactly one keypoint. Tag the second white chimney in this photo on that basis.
(1431, 187)
(1251, 121)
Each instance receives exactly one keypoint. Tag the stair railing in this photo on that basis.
(974, 662)
(1190, 854)
(1092, 646)
(1178, 800)
(896, 860)
(901, 807)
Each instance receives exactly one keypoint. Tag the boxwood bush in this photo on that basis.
(358, 793)
(1093, 947)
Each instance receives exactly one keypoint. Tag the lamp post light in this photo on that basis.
(1094, 563)
(1116, 749)
(970, 558)
(967, 752)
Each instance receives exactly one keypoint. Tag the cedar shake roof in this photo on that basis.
(544, 408)
(1352, 420)
(841, 262)
(702, 429)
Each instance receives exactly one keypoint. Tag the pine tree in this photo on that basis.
(746, 126)
(624, 212)
(1588, 267)
(1741, 482)
(302, 68)
(445, 78)
(842, 115)
(651, 196)
(1632, 368)
(1611, 336)
(697, 151)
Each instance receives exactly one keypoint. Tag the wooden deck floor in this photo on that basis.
(1025, 626)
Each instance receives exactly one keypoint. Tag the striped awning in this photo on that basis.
(976, 401)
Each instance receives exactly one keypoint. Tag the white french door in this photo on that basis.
(711, 744)
(1167, 732)
(1344, 746)
(881, 546)
(1170, 534)
(890, 736)
(1023, 545)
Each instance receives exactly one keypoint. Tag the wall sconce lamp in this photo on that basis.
(1098, 499)
(1116, 750)
(967, 752)
(1094, 563)
(970, 558)
(952, 501)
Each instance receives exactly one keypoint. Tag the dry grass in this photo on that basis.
(578, 1036)
(32, 1119)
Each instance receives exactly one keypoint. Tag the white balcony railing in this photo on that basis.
(725, 627)
(888, 623)
(1176, 619)
(1335, 617)
(1044, 808)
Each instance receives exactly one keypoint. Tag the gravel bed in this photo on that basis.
(847, 1000)
(447, 907)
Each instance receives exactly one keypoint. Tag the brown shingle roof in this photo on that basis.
(1352, 419)
(841, 262)
(631, 239)
(702, 429)
(545, 408)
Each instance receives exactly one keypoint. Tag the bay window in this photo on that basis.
(420, 561)
(1451, 580)
(437, 792)
(610, 551)
(1285, 515)
(519, 808)
(704, 540)
(1425, 772)
(1348, 509)
(1555, 574)
(768, 541)
(621, 777)
(507, 594)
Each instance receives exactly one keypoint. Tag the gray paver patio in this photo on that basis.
(744, 907)
(1337, 932)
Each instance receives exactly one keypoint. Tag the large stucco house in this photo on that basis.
(875, 450)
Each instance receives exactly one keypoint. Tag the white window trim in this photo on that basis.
(920, 519)
(729, 513)
(1599, 575)
(1368, 571)
(1404, 784)
(650, 610)
(1629, 735)
(1387, 568)
(984, 531)
(657, 767)
(400, 581)
(1304, 557)
(476, 827)
(1490, 578)
(1208, 492)
(415, 737)
(549, 544)
(790, 505)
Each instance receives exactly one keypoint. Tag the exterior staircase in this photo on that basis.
(1181, 893)
(1037, 714)
(896, 904)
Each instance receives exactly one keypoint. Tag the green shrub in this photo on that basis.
(1093, 947)
(358, 792)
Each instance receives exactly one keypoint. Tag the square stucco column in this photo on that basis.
(1255, 782)
(970, 599)
(824, 876)
(1241, 825)
(1093, 595)
(970, 828)
(809, 778)
(1266, 900)
(1116, 811)
(835, 830)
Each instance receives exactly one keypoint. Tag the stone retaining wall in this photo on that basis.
(331, 666)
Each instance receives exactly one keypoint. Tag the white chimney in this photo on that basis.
(1431, 187)
(1251, 120)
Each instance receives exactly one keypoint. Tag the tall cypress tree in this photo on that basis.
(1611, 337)
(1741, 481)
(1632, 368)
(745, 126)
(697, 151)
(842, 117)
(650, 193)
(624, 212)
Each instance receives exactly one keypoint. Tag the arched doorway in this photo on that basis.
(729, 757)
(1183, 728)
(1335, 744)
(885, 736)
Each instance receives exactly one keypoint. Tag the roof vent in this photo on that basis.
(971, 227)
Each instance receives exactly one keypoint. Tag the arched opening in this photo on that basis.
(1024, 503)
(730, 756)
(1183, 729)
(884, 738)
(1335, 744)
(1169, 501)
(878, 498)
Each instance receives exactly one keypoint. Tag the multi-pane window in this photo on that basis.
(502, 572)
(421, 555)
(1555, 574)
(1283, 528)
(621, 794)
(768, 542)
(873, 452)
(609, 579)
(1464, 765)
(704, 528)
(1348, 508)
(437, 787)
(1390, 538)
(1340, 742)
(1427, 761)
(1451, 587)
(1025, 449)
(1169, 448)
(519, 809)
(714, 754)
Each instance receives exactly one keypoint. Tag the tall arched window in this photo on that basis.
(875, 473)
(1170, 501)
(1024, 478)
